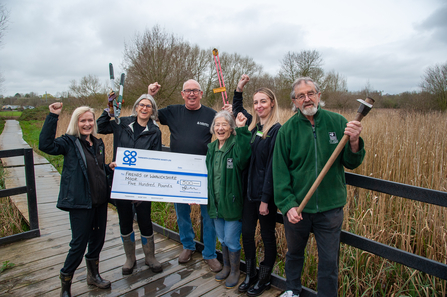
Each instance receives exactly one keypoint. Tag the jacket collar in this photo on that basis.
(226, 145)
(149, 126)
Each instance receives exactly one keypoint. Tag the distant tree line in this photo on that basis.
(158, 56)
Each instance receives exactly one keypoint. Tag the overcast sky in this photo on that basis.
(386, 43)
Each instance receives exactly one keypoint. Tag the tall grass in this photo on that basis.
(401, 146)
(11, 220)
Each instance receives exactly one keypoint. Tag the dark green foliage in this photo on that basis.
(37, 114)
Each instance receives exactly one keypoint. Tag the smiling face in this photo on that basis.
(144, 110)
(86, 123)
(262, 105)
(306, 99)
(222, 129)
(192, 95)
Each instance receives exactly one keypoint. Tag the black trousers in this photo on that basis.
(125, 215)
(250, 217)
(88, 227)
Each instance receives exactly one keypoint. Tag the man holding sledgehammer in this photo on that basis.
(303, 145)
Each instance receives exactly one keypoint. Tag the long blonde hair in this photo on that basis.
(73, 127)
(273, 117)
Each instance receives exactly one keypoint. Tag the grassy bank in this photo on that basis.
(10, 114)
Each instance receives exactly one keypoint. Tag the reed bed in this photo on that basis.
(401, 146)
(11, 219)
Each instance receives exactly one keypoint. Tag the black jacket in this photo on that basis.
(259, 180)
(74, 186)
(149, 139)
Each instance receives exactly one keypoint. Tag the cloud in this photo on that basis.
(49, 43)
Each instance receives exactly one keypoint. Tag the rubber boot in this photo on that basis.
(129, 249)
(235, 262)
(263, 283)
(251, 276)
(93, 277)
(66, 279)
(149, 251)
(223, 274)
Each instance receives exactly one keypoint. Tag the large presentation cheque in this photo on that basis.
(159, 176)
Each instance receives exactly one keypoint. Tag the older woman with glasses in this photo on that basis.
(227, 157)
(138, 131)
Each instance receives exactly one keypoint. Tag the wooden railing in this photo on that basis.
(29, 189)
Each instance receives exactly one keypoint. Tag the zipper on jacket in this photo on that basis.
(316, 163)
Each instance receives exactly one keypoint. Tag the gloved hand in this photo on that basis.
(111, 97)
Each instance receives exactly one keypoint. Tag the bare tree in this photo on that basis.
(156, 56)
(233, 66)
(334, 82)
(89, 91)
(304, 63)
(435, 83)
(4, 19)
(335, 90)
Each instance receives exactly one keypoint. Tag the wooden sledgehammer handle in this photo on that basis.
(361, 113)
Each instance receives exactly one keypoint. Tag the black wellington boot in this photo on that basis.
(263, 283)
(93, 277)
(66, 279)
(251, 277)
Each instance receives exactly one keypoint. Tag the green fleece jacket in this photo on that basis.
(235, 159)
(301, 151)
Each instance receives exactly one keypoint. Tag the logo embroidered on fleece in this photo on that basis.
(333, 138)
(203, 124)
(230, 163)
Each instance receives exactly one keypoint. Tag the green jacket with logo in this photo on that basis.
(301, 151)
(235, 159)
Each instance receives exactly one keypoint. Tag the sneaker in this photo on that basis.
(185, 256)
(289, 293)
(214, 265)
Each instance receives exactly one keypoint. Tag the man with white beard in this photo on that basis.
(303, 146)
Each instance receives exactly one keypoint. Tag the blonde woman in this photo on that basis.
(259, 202)
(84, 191)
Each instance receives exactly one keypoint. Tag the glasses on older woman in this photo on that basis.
(142, 105)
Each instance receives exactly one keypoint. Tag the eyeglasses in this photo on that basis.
(142, 105)
(310, 95)
(189, 91)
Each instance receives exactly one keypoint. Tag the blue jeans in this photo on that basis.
(326, 227)
(187, 234)
(229, 233)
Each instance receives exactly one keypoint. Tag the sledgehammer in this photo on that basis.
(363, 110)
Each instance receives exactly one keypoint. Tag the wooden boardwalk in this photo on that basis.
(38, 260)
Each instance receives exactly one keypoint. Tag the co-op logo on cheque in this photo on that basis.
(130, 158)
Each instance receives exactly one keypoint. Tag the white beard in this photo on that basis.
(309, 111)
